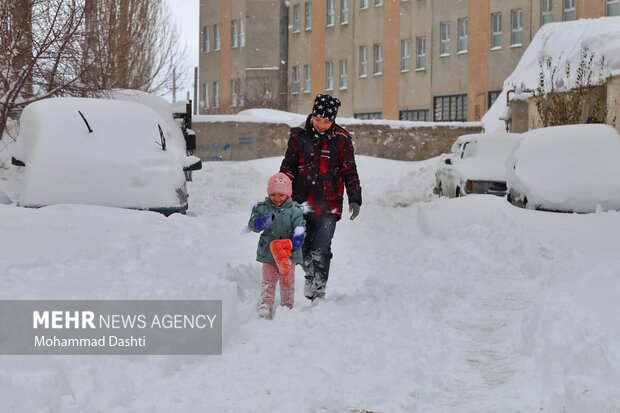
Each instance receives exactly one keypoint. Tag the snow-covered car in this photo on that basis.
(573, 168)
(100, 152)
(477, 165)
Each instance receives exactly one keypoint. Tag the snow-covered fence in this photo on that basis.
(237, 140)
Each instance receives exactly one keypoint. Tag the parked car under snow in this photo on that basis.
(477, 165)
(100, 152)
(573, 168)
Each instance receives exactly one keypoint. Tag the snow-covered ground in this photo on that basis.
(433, 305)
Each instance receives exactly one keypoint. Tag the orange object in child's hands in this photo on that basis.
(281, 251)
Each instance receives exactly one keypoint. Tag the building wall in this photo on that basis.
(238, 141)
(474, 73)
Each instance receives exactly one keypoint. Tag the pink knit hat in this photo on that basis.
(280, 184)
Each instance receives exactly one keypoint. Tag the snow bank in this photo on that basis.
(295, 119)
(563, 43)
(568, 168)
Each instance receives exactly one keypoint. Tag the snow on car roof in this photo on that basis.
(573, 167)
(484, 157)
(120, 163)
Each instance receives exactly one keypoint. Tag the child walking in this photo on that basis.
(282, 224)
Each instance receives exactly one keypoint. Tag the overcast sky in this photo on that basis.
(186, 13)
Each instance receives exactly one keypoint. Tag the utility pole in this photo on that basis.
(174, 84)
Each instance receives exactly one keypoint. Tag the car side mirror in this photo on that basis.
(193, 167)
(448, 161)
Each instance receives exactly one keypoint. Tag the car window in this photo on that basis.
(470, 149)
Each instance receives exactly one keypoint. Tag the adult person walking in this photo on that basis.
(320, 161)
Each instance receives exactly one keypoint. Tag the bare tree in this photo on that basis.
(262, 92)
(132, 44)
(40, 52)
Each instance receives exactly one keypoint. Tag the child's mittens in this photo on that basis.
(299, 235)
(261, 222)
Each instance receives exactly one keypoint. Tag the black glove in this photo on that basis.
(354, 209)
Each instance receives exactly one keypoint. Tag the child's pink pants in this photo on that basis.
(271, 275)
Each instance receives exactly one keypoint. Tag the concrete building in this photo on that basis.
(394, 59)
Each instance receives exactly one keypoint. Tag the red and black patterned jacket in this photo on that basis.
(320, 165)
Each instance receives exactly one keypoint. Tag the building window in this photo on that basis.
(405, 55)
(306, 78)
(570, 11)
(613, 8)
(205, 96)
(329, 75)
(420, 60)
(216, 37)
(344, 11)
(363, 4)
(343, 81)
(296, 19)
(451, 108)
(234, 33)
(295, 80)
(216, 94)
(331, 13)
(241, 33)
(444, 33)
(367, 115)
(516, 17)
(378, 55)
(234, 96)
(463, 37)
(206, 39)
(241, 92)
(363, 61)
(546, 15)
(496, 30)
(493, 95)
(378, 3)
(307, 15)
(415, 115)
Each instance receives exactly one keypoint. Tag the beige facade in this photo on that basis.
(408, 59)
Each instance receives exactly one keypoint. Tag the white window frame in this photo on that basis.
(205, 95)
(234, 34)
(405, 55)
(363, 61)
(343, 70)
(296, 18)
(308, 16)
(217, 39)
(329, 75)
(516, 24)
(463, 35)
(330, 18)
(496, 31)
(206, 39)
(420, 60)
(295, 85)
(216, 94)
(307, 79)
(363, 4)
(242, 33)
(377, 51)
(234, 96)
(611, 5)
(570, 10)
(546, 11)
(444, 36)
(344, 11)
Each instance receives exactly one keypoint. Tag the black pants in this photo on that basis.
(317, 252)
